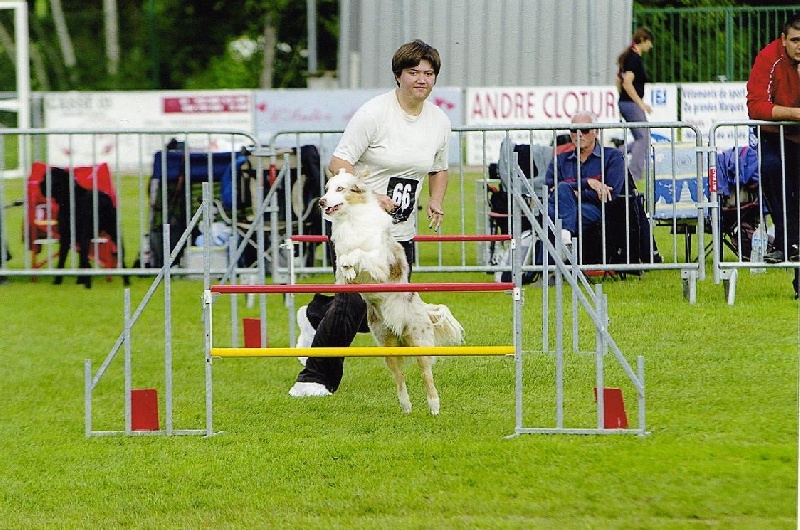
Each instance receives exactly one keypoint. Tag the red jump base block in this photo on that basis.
(144, 409)
(252, 333)
(614, 416)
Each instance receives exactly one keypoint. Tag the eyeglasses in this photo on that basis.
(582, 131)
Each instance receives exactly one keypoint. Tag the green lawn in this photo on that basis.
(722, 386)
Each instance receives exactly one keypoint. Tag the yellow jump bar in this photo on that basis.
(362, 351)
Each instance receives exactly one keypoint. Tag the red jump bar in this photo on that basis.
(453, 237)
(364, 288)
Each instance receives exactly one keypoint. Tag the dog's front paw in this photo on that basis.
(347, 260)
(347, 272)
(347, 266)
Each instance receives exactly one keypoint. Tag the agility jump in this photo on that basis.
(375, 351)
(598, 315)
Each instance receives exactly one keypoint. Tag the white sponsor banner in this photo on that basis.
(152, 111)
(296, 110)
(301, 110)
(704, 104)
(527, 107)
(663, 98)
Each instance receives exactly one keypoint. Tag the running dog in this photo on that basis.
(366, 253)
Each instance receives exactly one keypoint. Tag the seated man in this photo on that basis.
(594, 172)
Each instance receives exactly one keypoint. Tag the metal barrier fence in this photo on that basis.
(677, 215)
(294, 176)
(741, 238)
(114, 191)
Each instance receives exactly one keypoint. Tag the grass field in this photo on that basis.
(722, 388)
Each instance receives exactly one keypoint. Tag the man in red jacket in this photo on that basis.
(773, 93)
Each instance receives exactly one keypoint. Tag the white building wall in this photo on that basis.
(487, 42)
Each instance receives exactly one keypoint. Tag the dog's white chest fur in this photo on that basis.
(367, 253)
(365, 249)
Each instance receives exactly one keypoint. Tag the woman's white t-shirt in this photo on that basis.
(398, 151)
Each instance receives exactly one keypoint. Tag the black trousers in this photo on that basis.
(337, 319)
(783, 198)
(783, 203)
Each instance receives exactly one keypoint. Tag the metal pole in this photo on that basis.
(640, 367)
(167, 327)
(600, 347)
(559, 329)
(87, 393)
(207, 301)
(715, 226)
(545, 257)
(344, 55)
(516, 267)
(127, 339)
(21, 39)
(311, 20)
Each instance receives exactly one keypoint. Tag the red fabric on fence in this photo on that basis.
(43, 214)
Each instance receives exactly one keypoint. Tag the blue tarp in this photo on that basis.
(224, 167)
(727, 177)
(226, 183)
(198, 164)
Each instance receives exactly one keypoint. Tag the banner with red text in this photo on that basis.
(527, 107)
(150, 111)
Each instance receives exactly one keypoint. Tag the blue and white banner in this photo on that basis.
(704, 104)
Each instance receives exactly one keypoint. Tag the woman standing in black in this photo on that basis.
(631, 78)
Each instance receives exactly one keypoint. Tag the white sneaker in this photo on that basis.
(566, 237)
(307, 332)
(308, 389)
(566, 240)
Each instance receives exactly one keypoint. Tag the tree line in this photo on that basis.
(174, 44)
(169, 44)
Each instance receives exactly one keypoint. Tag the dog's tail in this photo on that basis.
(447, 331)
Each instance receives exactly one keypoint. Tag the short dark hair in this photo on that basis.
(411, 54)
(793, 22)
